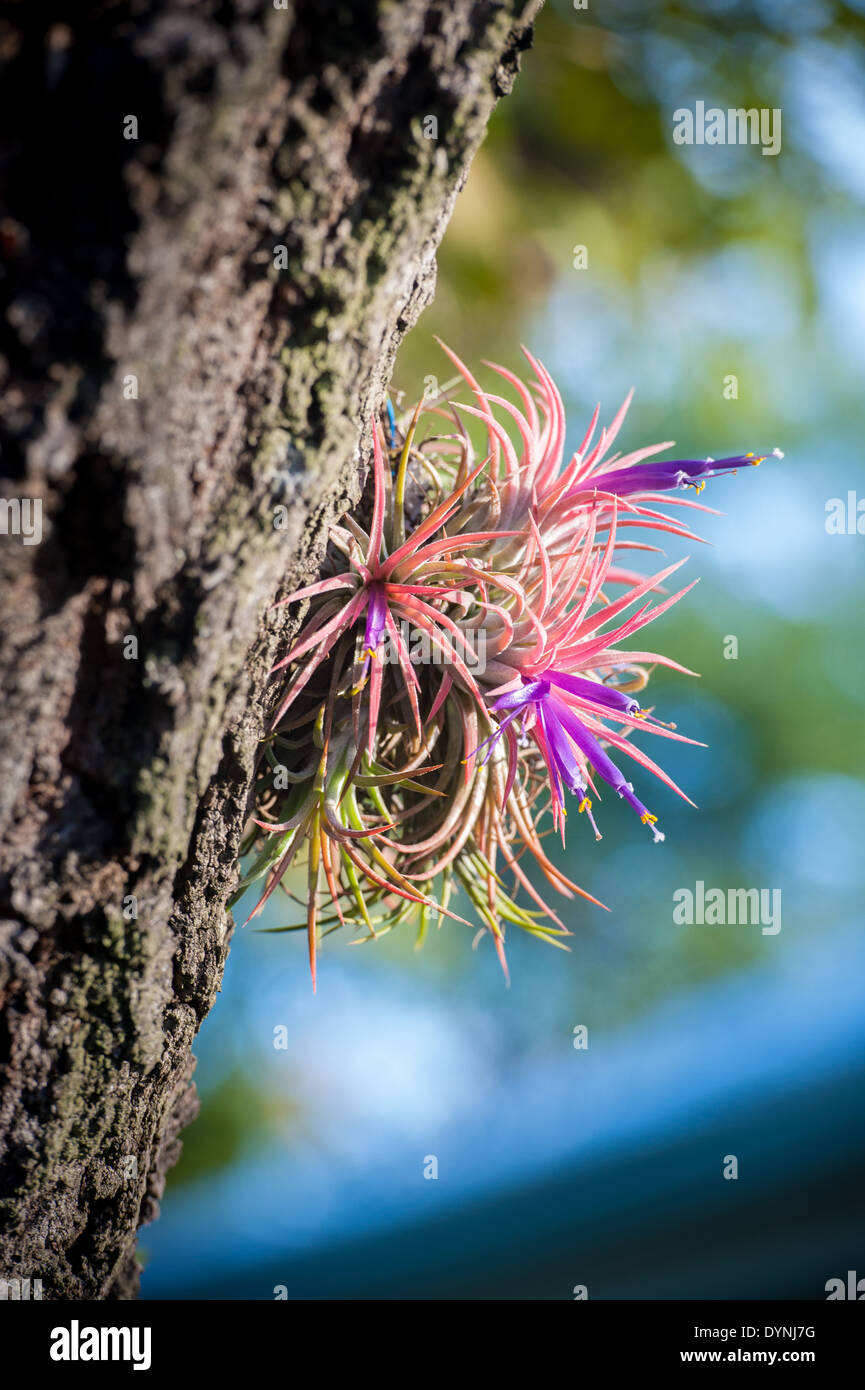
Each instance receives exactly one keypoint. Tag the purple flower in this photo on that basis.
(376, 619)
(562, 732)
(605, 695)
(557, 713)
(660, 477)
(376, 625)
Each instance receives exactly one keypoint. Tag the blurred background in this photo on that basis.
(310, 1169)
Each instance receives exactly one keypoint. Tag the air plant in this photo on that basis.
(459, 673)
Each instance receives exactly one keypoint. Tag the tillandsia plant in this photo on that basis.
(459, 674)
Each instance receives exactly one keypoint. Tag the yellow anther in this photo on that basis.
(647, 818)
(585, 804)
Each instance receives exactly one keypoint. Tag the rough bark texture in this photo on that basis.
(124, 774)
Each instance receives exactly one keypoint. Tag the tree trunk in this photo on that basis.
(170, 378)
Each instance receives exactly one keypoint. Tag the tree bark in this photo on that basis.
(136, 636)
